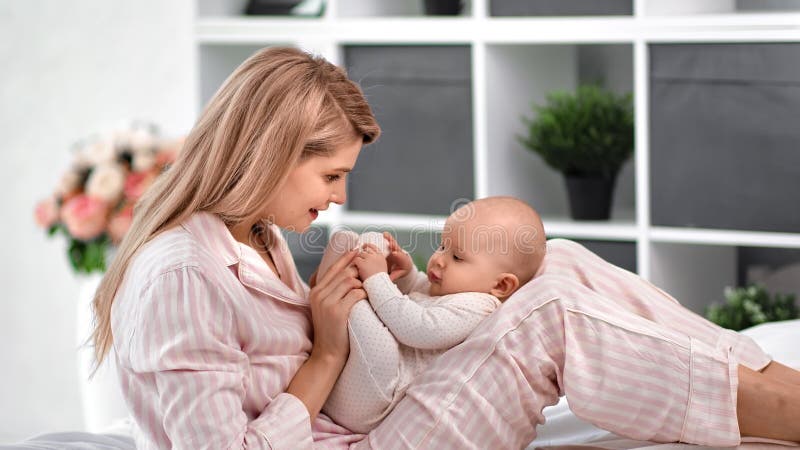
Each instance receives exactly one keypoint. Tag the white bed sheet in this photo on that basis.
(563, 430)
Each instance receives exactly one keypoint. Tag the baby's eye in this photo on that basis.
(456, 257)
(332, 178)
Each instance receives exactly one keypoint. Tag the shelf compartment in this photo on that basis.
(688, 8)
(514, 8)
(723, 138)
(422, 98)
(697, 275)
(518, 76)
(390, 8)
(307, 248)
(620, 253)
(217, 62)
(237, 8)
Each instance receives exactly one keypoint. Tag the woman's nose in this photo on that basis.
(339, 195)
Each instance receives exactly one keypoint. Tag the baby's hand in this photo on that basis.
(370, 261)
(399, 262)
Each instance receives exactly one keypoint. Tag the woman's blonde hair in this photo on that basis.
(280, 106)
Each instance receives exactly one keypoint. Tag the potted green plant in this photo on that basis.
(745, 307)
(587, 136)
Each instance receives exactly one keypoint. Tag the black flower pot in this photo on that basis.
(590, 197)
(270, 7)
(442, 7)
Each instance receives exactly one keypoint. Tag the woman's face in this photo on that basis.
(312, 186)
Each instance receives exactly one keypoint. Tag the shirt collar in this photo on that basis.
(250, 267)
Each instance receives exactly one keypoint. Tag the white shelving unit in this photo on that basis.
(516, 61)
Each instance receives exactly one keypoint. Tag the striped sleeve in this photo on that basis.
(427, 327)
(185, 339)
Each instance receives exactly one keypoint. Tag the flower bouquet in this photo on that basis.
(93, 202)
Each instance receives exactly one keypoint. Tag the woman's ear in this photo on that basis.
(505, 285)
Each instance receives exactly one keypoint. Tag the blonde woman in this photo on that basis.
(220, 344)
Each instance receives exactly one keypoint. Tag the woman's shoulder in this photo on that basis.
(172, 249)
(177, 249)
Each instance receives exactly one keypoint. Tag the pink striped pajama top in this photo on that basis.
(207, 338)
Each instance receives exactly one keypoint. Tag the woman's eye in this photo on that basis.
(332, 178)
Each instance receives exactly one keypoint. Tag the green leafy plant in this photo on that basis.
(749, 306)
(589, 132)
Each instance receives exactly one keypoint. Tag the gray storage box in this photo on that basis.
(724, 136)
(422, 98)
(500, 8)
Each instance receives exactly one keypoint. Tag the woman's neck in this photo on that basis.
(241, 232)
(255, 235)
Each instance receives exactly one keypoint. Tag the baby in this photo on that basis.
(489, 248)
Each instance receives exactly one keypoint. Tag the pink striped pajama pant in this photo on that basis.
(628, 357)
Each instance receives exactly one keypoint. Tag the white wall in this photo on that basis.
(69, 68)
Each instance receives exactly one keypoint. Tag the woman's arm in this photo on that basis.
(331, 300)
(188, 371)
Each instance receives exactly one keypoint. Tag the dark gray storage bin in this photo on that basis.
(422, 99)
(307, 248)
(500, 8)
(754, 260)
(724, 136)
(622, 254)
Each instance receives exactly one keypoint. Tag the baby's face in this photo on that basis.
(470, 257)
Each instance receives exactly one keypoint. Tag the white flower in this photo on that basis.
(138, 140)
(107, 182)
(141, 141)
(68, 182)
(99, 152)
(143, 161)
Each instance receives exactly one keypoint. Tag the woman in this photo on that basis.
(220, 344)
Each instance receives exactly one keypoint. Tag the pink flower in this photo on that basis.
(46, 213)
(136, 183)
(168, 151)
(85, 216)
(120, 223)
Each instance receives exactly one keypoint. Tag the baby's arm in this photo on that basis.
(427, 327)
(402, 269)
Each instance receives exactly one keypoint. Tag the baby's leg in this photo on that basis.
(340, 243)
(365, 391)
(632, 292)
(345, 240)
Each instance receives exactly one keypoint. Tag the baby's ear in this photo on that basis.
(505, 285)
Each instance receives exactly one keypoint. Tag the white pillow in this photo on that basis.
(781, 340)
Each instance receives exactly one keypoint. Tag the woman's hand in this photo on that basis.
(370, 261)
(312, 280)
(399, 262)
(331, 299)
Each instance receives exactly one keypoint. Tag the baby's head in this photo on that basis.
(492, 245)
